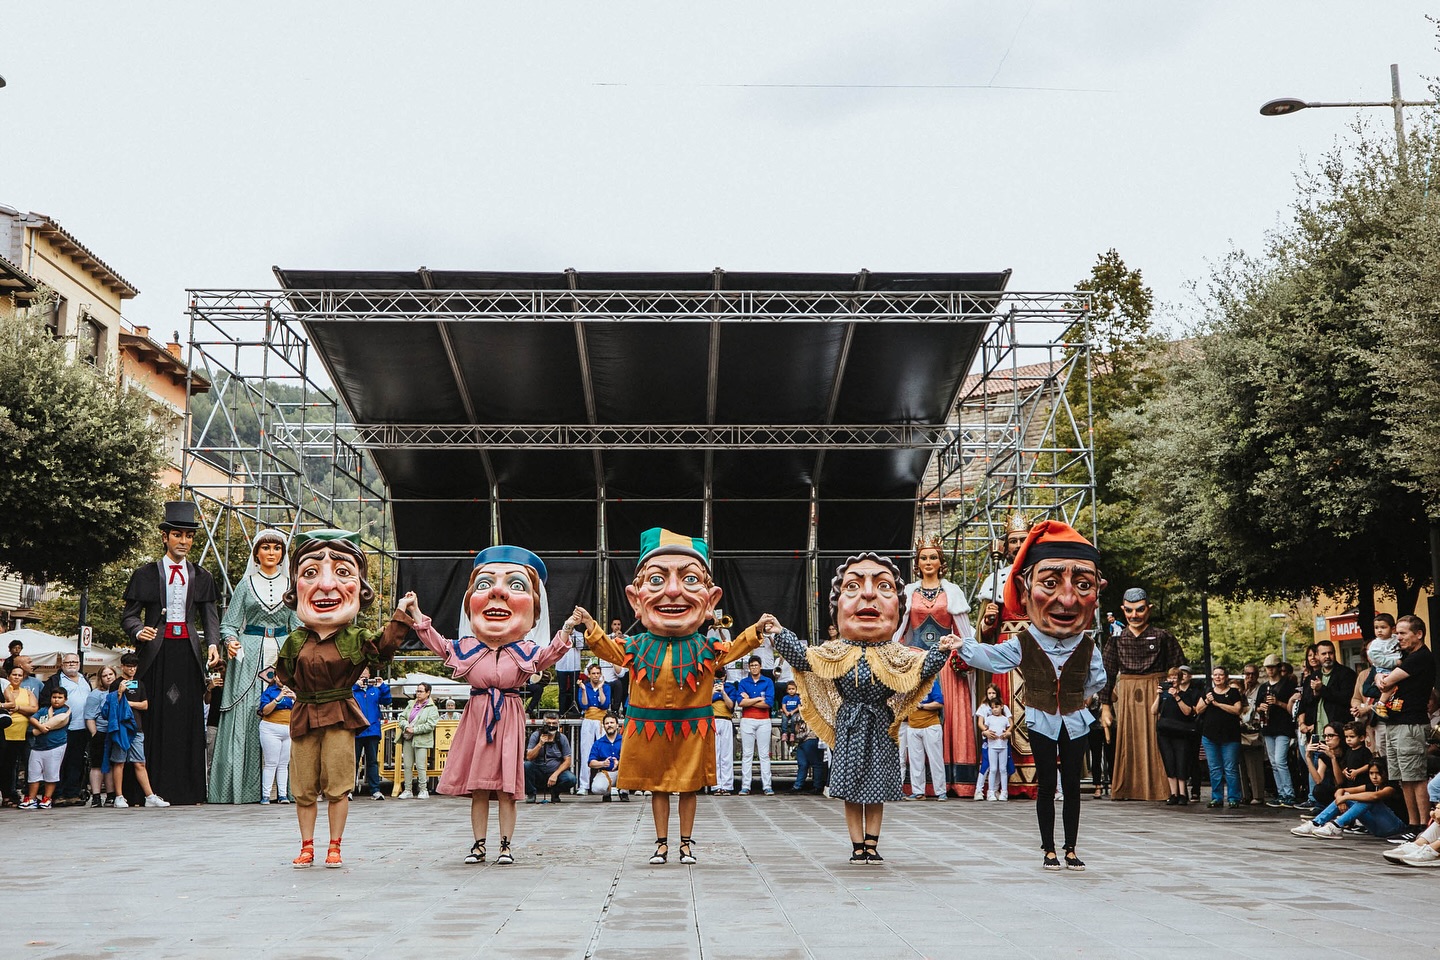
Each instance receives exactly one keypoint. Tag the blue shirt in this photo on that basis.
(370, 699)
(54, 738)
(607, 749)
(95, 710)
(764, 687)
(730, 690)
(272, 693)
(1004, 657)
(589, 697)
(934, 696)
(790, 701)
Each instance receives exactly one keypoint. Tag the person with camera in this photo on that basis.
(548, 759)
(1220, 711)
(1277, 727)
(416, 729)
(723, 697)
(603, 761)
(371, 693)
(1320, 755)
(1174, 711)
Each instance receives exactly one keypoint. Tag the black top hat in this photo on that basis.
(179, 515)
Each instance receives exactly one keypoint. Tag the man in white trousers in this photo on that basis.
(757, 697)
(723, 703)
(924, 741)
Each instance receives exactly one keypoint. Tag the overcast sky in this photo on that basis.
(197, 144)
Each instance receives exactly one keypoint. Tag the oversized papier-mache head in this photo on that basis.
(1055, 582)
(505, 599)
(328, 588)
(673, 593)
(865, 598)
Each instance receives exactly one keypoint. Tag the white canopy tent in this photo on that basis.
(45, 650)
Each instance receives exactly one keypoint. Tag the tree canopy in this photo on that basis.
(78, 459)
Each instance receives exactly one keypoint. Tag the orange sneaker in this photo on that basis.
(332, 856)
(307, 855)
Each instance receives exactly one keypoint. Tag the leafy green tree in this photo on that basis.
(78, 459)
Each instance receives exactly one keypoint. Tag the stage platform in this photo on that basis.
(963, 880)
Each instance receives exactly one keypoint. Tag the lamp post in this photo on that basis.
(1283, 630)
(1288, 105)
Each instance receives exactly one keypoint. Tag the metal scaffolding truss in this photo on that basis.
(703, 306)
(273, 450)
(1022, 441)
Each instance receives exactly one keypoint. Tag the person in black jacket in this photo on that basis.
(1325, 695)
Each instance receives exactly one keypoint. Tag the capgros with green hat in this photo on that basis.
(657, 541)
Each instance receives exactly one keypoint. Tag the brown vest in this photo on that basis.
(1043, 690)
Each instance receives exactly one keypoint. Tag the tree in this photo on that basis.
(78, 459)
(1271, 469)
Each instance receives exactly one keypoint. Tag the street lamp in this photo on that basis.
(1283, 630)
(1288, 105)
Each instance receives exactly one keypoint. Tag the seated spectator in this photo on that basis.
(48, 731)
(1428, 840)
(99, 740)
(1377, 804)
(789, 712)
(1322, 760)
(604, 761)
(809, 760)
(548, 759)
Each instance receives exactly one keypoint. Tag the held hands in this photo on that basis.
(949, 643)
(579, 618)
(410, 606)
(768, 624)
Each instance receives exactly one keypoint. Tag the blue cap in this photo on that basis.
(507, 554)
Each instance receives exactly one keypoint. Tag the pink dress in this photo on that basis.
(488, 749)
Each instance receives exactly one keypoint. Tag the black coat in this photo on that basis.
(1336, 696)
(145, 607)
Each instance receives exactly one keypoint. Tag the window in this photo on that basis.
(90, 339)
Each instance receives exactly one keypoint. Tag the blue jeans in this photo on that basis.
(537, 777)
(367, 748)
(1433, 789)
(809, 761)
(1277, 748)
(1223, 759)
(1379, 819)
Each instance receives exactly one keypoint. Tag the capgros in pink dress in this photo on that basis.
(488, 749)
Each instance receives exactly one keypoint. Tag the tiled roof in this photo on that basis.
(69, 244)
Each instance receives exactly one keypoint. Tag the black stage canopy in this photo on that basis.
(647, 350)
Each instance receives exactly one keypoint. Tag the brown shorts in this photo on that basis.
(322, 761)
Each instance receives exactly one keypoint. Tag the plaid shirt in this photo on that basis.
(1153, 651)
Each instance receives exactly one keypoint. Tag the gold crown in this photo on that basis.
(1017, 524)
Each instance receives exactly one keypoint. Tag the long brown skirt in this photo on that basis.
(1139, 774)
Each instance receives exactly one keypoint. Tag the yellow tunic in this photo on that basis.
(668, 747)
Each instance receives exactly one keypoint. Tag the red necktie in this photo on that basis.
(177, 571)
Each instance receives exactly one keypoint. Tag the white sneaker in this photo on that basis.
(979, 795)
(120, 802)
(1424, 857)
(995, 797)
(1330, 831)
(154, 800)
(1004, 797)
(1305, 829)
(405, 795)
(423, 795)
(1398, 854)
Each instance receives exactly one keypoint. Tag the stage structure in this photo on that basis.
(791, 419)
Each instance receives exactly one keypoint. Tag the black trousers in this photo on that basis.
(72, 766)
(1071, 754)
(567, 681)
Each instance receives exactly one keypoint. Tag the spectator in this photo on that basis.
(1305, 713)
(77, 737)
(720, 630)
(603, 761)
(214, 692)
(1384, 655)
(809, 760)
(1353, 767)
(48, 730)
(925, 745)
(722, 704)
(276, 702)
(415, 728)
(789, 712)
(1367, 694)
(757, 698)
(547, 762)
(1101, 750)
(371, 693)
(21, 703)
(1326, 693)
(593, 698)
(1374, 802)
(534, 691)
(31, 682)
(125, 710)
(567, 673)
(1413, 853)
(96, 726)
(1321, 762)
(1174, 713)
(16, 646)
(1220, 711)
(996, 725)
(453, 713)
(1277, 727)
(1252, 747)
(1406, 721)
(616, 678)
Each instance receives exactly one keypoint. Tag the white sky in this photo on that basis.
(190, 145)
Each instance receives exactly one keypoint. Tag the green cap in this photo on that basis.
(657, 541)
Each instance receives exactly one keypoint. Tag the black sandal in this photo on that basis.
(1073, 862)
(505, 859)
(662, 850)
(872, 852)
(858, 854)
(477, 852)
(1051, 862)
(685, 855)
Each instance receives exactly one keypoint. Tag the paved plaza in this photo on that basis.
(963, 880)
